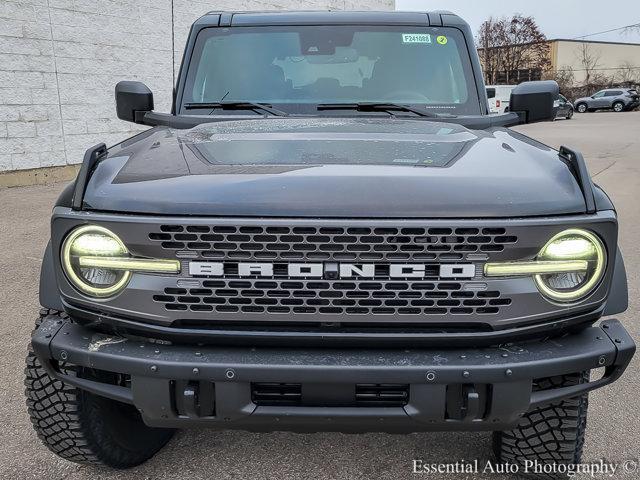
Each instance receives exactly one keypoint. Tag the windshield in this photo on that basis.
(299, 67)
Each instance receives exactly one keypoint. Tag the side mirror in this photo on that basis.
(133, 100)
(535, 101)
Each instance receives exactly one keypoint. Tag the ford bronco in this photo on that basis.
(328, 232)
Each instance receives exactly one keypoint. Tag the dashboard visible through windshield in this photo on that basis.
(297, 68)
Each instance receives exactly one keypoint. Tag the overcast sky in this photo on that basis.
(556, 18)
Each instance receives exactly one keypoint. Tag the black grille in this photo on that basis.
(333, 297)
(331, 243)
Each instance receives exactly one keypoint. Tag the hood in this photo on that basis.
(322, 167)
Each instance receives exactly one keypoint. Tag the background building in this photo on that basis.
(595, 62)
(60, 61)
(581, 67)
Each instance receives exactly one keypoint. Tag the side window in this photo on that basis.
(613, 93)
(491, 93)
(599, 94)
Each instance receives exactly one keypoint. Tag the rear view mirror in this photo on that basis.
(535, 101)
(133, 101)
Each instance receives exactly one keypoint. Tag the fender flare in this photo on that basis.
(618, 300)
(48, 292)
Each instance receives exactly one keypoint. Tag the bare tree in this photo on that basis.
(565, 78)
(527, 46)
(590, 61)
(628, 74)
(490, 55)
(509, 45)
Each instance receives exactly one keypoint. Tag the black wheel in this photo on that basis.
(618, 106)
(552, 434)
(86, 428)
(569, 114)
(581, 107)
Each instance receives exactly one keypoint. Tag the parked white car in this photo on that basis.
(499, 96)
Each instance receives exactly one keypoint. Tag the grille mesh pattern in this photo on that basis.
(332, 297)
(331, 243)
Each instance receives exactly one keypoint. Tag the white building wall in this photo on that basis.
(607, 57)
(60, 60)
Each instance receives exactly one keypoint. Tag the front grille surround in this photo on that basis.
(527, 306)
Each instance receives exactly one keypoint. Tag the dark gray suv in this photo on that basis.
(319, 239)
(617, 99)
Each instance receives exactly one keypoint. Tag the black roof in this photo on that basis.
(301, 17)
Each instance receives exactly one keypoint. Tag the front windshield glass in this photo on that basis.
(296, 67)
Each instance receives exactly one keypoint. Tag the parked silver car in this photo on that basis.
(617, 99)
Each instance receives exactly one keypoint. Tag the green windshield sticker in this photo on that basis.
(441, 39)
(416, 38)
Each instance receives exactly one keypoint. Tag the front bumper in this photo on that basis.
(447, 389)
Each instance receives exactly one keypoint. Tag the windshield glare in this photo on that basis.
(333, 64)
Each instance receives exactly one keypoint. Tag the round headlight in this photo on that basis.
(573, 244)
(94, 241)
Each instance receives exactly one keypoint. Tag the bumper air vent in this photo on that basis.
(276, 394)
(382, 394)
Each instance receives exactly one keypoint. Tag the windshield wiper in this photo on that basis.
(376, 107)
(237, 106)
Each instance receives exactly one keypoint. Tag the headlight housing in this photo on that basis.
(93, 241)
(566, 269)
(98, 263)
(572, 245)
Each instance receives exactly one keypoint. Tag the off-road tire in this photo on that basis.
(549, 434)
(618, 106)
(582, 107)
(85, 428)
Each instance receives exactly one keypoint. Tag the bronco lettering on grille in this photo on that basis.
(320, 270)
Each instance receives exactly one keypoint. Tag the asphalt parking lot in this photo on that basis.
(611, 145)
